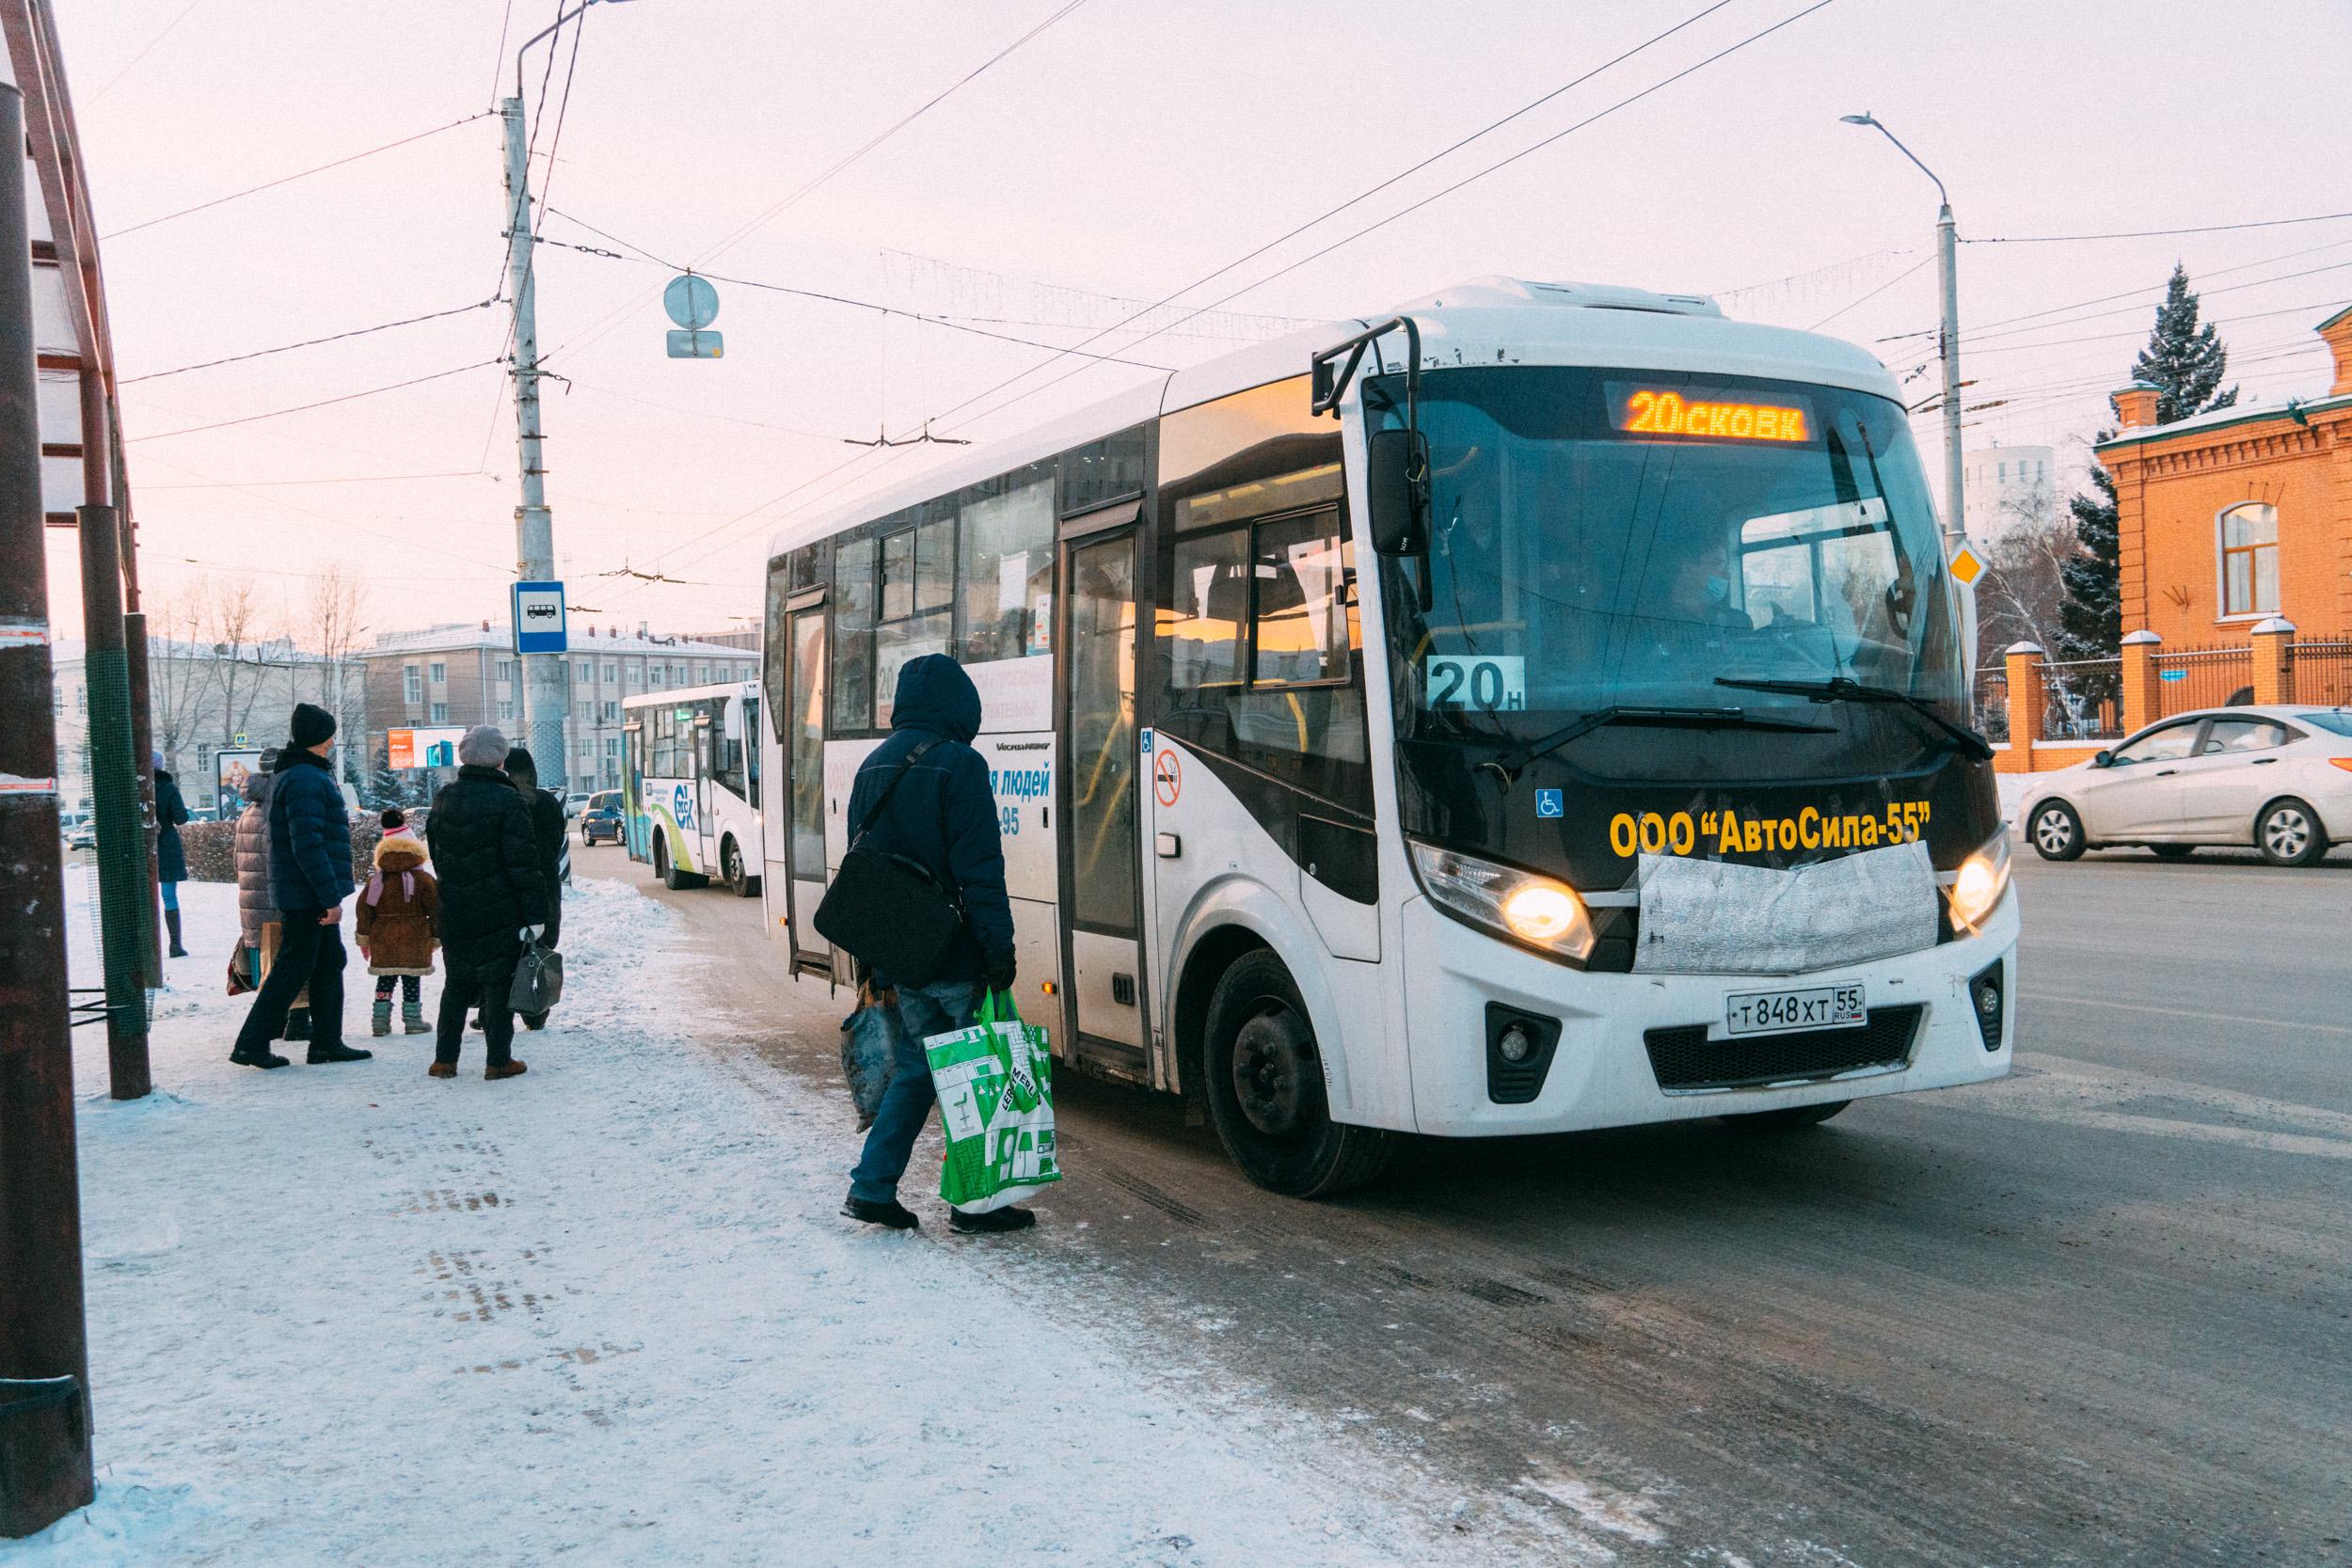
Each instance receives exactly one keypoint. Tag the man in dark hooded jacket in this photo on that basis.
(492, 890)
(942, 815)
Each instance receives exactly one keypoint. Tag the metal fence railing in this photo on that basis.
(2082, 698)
(1991, 705)
(2202, 677)
(2323, 674)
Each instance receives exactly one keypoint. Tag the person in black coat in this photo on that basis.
(309, 876)
(487, 860)
(546, 829)
(171, 857)
(941, 814)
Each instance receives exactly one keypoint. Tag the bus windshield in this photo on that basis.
(1620, 538)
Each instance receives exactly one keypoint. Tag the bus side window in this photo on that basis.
(852, 603)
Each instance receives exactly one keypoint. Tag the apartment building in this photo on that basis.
(466, 673)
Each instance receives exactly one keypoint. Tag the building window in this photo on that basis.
(411, 684)
(611, 713)
(506, 710)
(611, 673)
(505, 670)
(437, 673)
(2249, 560)
(587, 711)
(440, 713)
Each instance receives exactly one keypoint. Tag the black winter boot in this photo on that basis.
(322, 1055)
(991, 1222)
(891, 1215)
(171, 925)
(297, 1024)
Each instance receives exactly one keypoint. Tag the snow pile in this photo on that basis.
(351, 1314)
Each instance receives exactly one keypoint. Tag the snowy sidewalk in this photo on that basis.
(351, 1314)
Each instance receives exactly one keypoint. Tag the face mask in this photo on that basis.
(1718, 589)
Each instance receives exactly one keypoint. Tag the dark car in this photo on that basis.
(601, 822)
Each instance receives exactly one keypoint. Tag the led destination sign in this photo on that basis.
(1655, 411)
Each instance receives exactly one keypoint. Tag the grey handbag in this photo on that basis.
(538, 979)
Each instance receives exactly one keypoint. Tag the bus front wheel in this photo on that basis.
(739, 882)
(666, 868)
(1265, 1090)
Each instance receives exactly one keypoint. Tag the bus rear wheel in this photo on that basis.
(666, 868)
(1266, 1091)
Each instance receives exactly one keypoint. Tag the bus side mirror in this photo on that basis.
(1397, 484)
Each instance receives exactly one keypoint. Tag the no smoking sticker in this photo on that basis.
(1168, 777)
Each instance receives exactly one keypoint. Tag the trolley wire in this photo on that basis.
(2152, 233)
(313, 343)
(290, 178)
(322, 403)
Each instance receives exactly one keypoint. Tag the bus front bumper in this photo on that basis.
(1605, 1068)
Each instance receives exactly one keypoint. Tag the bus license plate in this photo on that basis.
(1775, 1012)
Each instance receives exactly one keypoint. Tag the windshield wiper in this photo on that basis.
(1511, 764)
(1846, 689)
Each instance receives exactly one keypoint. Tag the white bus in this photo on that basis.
(689, 786)
(1541, 709)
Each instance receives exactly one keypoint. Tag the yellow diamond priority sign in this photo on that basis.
(1965, 566)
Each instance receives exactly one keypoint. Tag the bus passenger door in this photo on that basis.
(1098, 771)
(804, 785)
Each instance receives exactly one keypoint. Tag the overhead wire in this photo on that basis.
(1871, 295)
(322, 403)
(1295, 231)
(1456, 185)
(145, 50)
(562, 108)
(1435, 195)
(290, 178)
(744, 230)
(2152, 234)
(313, 343)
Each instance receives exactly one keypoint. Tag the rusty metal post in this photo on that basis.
(44, 1355)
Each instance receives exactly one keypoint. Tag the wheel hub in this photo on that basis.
(2052, 833)
(2286, 834)
(1274, 1056)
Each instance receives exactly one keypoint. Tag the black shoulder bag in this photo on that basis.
(887, 911)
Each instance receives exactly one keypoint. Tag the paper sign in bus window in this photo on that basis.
(1487, 682)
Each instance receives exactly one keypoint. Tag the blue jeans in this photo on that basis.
(939, 1008)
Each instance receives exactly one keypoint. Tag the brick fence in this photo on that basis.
(2047, 725)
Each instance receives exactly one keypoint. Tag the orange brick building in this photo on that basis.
(2233, 519)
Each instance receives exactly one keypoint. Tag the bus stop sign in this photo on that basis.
(539, 624)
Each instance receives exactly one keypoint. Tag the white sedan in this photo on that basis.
(2277, 778)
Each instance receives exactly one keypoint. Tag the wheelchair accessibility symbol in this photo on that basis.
(1551, 802)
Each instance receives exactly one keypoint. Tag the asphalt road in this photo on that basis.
(2098, 1313)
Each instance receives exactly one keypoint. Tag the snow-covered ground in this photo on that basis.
(606, 1313)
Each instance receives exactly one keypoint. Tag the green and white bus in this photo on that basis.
(1542, 707)
(690, 785)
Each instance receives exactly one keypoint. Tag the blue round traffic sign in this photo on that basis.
(691, 301)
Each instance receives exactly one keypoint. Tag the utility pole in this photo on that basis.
(1947, 342)
(547, 681)
(1948, 339)
(44, 1357)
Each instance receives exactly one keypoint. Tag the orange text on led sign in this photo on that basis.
(1667, 414)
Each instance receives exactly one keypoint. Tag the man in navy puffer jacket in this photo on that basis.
(942, 817)
(310, 877)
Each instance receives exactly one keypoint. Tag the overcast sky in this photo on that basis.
(1124, 151)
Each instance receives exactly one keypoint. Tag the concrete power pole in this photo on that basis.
(1948, 277)
(547, 682)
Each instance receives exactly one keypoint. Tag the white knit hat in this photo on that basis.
(484, 746)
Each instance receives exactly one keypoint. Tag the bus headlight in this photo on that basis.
(1541, 911)
(1979, 885)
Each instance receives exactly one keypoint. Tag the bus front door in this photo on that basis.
(804, 785)
(1098, 770)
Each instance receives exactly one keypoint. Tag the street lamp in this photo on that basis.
(1946, 251)
(549, 31)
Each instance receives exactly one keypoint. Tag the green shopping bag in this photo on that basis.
(996, 1086)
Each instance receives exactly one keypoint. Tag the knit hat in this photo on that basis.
(484, 746)
(312, 724)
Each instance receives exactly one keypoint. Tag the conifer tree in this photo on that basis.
(2186, 363)
(2183, 363)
